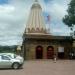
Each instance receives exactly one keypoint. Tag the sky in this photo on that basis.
(14, 15)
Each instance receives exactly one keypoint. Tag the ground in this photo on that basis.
(43, 67)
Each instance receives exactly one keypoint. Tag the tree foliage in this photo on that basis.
(8, 49)
(69, 19)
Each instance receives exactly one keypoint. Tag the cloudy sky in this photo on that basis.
(14, 15)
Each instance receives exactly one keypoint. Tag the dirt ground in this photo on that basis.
(43, 67)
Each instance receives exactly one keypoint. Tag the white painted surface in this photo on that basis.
(60, 49)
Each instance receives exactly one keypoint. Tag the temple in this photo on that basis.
(38, 43)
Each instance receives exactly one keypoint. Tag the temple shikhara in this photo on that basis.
(38, 43)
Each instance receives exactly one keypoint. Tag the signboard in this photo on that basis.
(60, 49)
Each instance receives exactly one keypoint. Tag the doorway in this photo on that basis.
(39, 52)
(61, 52)
(50, 52)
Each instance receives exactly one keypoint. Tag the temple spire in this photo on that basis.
(36, 23)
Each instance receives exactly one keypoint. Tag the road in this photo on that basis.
(43, 67)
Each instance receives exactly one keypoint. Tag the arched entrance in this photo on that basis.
(39, 52)
(50, 52)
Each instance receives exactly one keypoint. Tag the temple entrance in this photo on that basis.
(50, 52)
(39, 52)
(61, 52)
(61, 55)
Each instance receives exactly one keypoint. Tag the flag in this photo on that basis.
(48, 18)
(48, 22)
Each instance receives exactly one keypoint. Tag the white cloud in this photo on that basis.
(6, 9)
(13, 18)
(62, 31)
(57, 11)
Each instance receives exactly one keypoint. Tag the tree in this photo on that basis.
(69, 19)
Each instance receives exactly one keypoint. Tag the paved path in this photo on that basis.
(44, 67)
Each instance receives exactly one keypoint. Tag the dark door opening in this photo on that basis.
(61, 52)
(61, 55)
(50, 52)
(39, 52)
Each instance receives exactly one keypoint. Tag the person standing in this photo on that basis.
(55, 58)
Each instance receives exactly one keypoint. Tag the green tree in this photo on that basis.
(69, 19)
